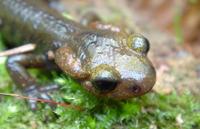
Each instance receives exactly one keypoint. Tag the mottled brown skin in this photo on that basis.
(107, 61)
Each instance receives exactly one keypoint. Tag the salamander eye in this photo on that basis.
(105, 81)
(139, 44)
(104, 85)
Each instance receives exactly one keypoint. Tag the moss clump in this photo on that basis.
(151, 110)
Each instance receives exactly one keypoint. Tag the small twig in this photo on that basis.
(18, 50)
(42, 100)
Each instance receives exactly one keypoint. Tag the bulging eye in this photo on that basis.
(104, 85)
(139, 44)
(105, 81)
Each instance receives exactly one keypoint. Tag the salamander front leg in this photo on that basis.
(17, 66)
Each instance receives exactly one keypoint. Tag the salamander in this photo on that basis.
(107, 63)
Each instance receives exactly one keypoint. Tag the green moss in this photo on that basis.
(150, 110)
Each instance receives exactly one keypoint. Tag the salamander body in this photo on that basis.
(107, 63)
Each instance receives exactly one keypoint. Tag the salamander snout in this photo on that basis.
(119, 67)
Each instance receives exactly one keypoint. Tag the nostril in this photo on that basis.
(104, 85)
(136, 89)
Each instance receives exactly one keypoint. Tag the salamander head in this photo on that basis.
(120, 70)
